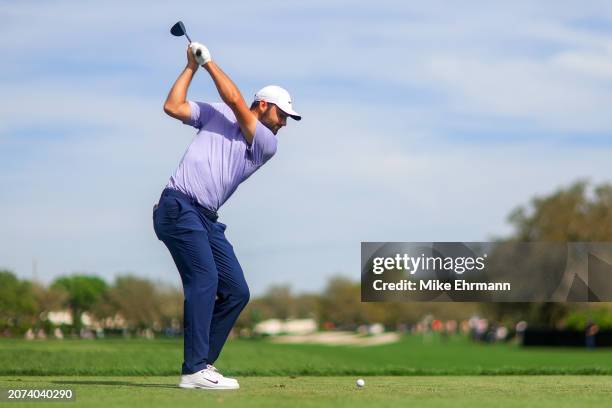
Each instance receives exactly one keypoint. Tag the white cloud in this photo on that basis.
(591, 65)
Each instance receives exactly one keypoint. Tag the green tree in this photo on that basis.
(137, 300)
(49, 299)
(17, 303)
(307, 305)
(573, 214)
(83, 292)
(170, 302)
(279, 301)
(577, 213)
(341, 303)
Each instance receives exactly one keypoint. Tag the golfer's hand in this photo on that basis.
(200, 52)
(191, 60)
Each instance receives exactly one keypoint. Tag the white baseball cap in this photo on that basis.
(278, 96)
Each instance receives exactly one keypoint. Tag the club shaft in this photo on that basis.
(188, 39)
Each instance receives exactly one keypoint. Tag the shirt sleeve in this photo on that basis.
(201, 112)
(264, 144)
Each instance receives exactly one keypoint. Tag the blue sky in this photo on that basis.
(422, 122)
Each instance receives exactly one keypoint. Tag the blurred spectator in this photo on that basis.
(501, 333)
(29, 335)
(40, 334)
(451, 326)
(589, 336)
(57, 333)
(436, 325)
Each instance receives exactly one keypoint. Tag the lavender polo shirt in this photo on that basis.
(219, 157)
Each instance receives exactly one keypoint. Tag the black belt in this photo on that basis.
(210, 214)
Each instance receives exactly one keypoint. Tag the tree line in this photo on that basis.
(579, 212)
(134, 302)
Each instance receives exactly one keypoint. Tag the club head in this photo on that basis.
(178, 29)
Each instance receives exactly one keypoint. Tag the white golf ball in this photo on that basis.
(360, 382)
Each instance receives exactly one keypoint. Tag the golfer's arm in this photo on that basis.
(231, 95)
(176, 104)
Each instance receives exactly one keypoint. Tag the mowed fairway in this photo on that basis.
(419, 371)
(449, 391)
(413, 355)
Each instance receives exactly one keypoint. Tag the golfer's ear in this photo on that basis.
(262, 105)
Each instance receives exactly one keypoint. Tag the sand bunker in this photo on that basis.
(338, 338)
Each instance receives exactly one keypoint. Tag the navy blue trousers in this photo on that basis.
(213, 282)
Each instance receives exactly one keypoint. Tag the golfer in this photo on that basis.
(233, 141)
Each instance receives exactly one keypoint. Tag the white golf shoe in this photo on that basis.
(208, 379)
(212, 367)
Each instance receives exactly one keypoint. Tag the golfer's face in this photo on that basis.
(274, 118)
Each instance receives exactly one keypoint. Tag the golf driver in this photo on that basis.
(179, 30)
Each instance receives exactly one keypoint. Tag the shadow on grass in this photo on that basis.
(115, 383)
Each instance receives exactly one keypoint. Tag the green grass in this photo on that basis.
(452, 391)
(411, 356)
(128, 373)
